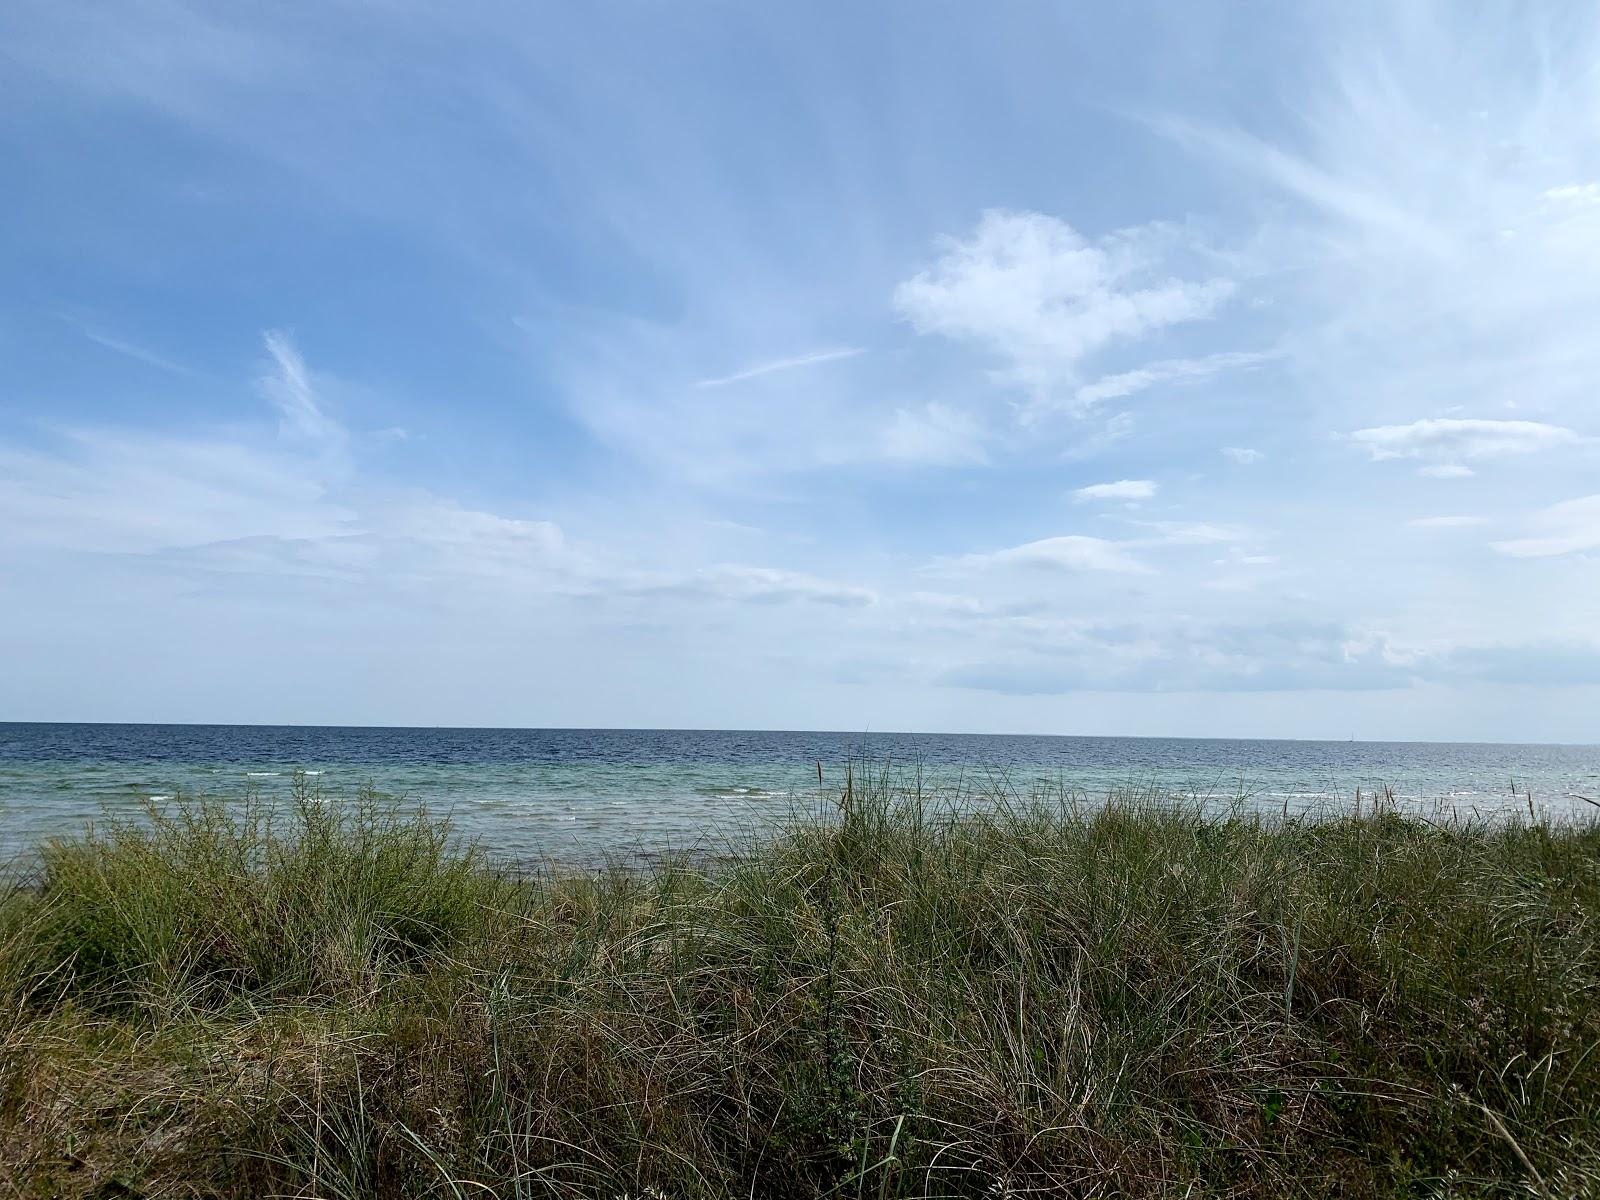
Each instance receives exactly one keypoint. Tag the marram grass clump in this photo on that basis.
(898, 998)
(202, 902)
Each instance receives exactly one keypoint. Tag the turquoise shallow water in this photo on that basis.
(581, 794)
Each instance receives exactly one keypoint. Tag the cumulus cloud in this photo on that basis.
(1122, 489)
(1243, 455)
(1446, 471)
(1564, 528)
(1037, 294)
(1454, 438)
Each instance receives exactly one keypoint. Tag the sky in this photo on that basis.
(1211, 369)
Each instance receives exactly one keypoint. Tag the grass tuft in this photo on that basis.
(909, 996)
(199, 902)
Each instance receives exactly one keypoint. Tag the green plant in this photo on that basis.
(975, 993)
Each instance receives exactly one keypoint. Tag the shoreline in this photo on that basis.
(898, 1000)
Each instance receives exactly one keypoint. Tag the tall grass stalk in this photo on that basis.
(901, 994)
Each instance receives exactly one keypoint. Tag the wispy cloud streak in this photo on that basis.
(782, 364)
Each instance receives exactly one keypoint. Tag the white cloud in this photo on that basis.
(1033, 291)
(1338, 199)
(253, 505)
(289, 385)
(1193, 533)
(470, 536)
(782, 364)
(1422, 241)
(1072, 552)
(118, 491)
(935, 435)
(1173, 370)
(111, 490)
(773, 585)
(1426, 215)
(1579, 194)
(1122, 489)
(135, 351)
(1564, 528)
(1447, 522)
(1212, 656)
(1446, 471)
(1452, 437)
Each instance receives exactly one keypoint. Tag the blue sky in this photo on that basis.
(1202, 368)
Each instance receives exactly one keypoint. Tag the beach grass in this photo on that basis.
(894, 996)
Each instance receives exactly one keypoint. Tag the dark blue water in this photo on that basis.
(580, 792)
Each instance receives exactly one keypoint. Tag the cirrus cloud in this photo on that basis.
(935, 435)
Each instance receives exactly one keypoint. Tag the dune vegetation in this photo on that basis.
(900, 996)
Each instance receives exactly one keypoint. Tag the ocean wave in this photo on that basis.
(738, 792)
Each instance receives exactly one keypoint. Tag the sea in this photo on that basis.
(589, 795)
